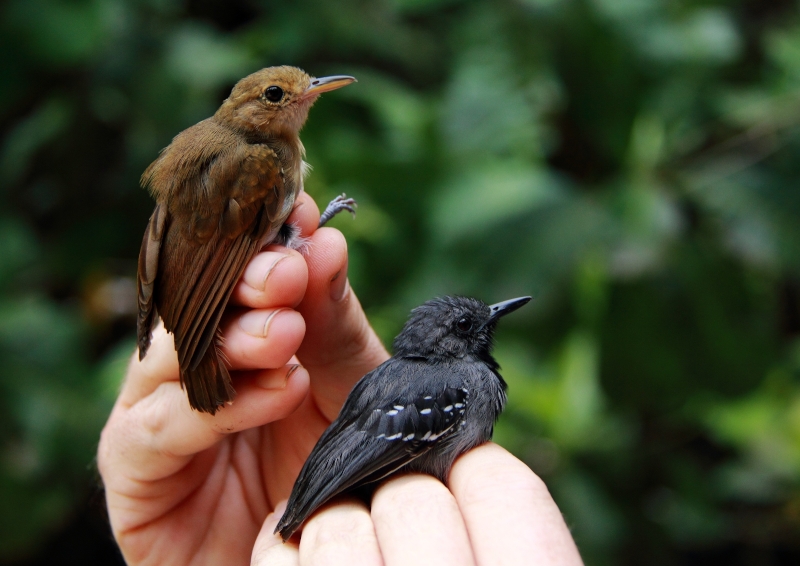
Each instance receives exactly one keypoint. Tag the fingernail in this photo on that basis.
(275, 379)
(255, 275)
(256, 323)
(339, 285)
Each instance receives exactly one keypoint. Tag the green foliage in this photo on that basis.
(632, 164)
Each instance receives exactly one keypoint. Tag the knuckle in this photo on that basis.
(338, 527)
(497, 483)
(411, 492)
(153, 416)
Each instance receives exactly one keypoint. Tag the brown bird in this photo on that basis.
(223, 189)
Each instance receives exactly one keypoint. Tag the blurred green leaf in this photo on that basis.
(30, 135)
(480, 198)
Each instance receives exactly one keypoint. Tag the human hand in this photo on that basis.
(187, 487)
(496, 511)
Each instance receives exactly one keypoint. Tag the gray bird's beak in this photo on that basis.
(502, 309)
(325, 84)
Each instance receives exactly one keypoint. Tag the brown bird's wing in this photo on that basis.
(147, 271)
(236, 204)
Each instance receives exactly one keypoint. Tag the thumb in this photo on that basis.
(339, 345)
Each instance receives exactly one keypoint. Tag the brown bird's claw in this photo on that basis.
(337, 205)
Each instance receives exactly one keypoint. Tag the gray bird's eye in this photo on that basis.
(273, 93)
(464, 324)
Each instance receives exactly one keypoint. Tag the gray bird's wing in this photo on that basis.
(395, 414)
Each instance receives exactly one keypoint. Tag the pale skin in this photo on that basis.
(185, 487)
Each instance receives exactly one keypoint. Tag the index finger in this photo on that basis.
(510, 516)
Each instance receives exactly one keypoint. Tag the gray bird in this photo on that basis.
(437, 397)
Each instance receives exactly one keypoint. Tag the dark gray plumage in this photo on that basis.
(437, 397)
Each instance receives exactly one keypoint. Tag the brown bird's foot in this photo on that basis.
(337, 205)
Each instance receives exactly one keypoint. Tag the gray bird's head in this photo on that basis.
(453, 327)
(275, 100)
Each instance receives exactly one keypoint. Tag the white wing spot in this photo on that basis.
(425, 412)
(427, 397)
(394, 436)
(399, 407)
(448, 409)
(458, 405)
(427, 435)
(392, 413)
(408, 436)
(381, 435)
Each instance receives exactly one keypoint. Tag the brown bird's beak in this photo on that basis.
(325, 84)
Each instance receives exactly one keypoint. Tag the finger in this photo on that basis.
(158, 366)
(509, 513)
(269, 549)
(155, 437)
(256, 339)
(417, 521)
(340, 534)
(252, 339)
(275, 277)
(339, 346)
(305, 214)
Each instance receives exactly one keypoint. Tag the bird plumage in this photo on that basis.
(224, 189)
(437, 397)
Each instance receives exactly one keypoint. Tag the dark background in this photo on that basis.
(632, 164)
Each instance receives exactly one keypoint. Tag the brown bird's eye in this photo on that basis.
(273, 94)
(464, 324)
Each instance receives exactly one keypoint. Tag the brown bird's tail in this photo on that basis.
(209, 384)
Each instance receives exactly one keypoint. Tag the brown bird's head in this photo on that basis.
(275, 100)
